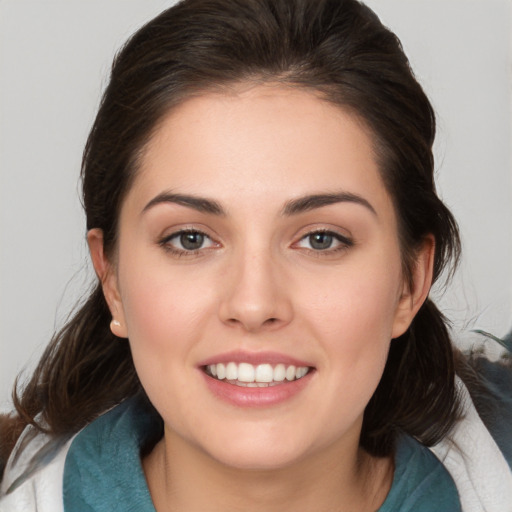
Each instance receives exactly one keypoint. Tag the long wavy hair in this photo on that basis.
(337, 48)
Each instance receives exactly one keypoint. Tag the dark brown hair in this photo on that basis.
(337, 48)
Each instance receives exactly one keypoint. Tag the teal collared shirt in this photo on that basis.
(103, 471)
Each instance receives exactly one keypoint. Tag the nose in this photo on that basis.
(256, 297)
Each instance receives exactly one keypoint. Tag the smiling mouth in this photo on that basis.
(252, 376)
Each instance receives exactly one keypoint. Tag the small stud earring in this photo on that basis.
(115, 326)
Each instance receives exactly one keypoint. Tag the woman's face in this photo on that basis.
(258, 241)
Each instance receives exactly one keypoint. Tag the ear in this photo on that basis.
(108, 278)
(411, 300)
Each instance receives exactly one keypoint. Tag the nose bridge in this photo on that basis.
(255, 297)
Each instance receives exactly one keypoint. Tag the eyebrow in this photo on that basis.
(311, 202)
(201, 204)
(293, 207)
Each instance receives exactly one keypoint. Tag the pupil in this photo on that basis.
(191, 241)
(321, 241)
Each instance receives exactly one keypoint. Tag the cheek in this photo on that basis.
(164, 321)
(164, 310)
(358, 360)
(353, 318)
(161, 314)
(356, 302)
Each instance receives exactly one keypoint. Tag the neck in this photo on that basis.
(181, 478)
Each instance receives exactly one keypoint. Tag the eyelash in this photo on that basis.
(344, 243)
(165, 242)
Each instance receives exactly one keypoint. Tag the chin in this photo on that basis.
(258, 459)
(259, 449)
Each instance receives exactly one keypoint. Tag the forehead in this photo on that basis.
(264, 142)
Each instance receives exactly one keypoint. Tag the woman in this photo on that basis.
(262, 218)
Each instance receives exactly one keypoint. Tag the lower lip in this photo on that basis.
(256, 397)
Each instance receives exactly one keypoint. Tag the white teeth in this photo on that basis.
(290, 373)
(279, 373)
(300, 372)
(221, 371)
(261, 375)
(245, 372)
(264, 373)
(231, 371)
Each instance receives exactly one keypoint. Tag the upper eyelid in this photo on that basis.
(186, 230)
(338, 236)
(308, 231)
(166, 239)
(328, 231)
(173, 232)
(336, 232)
(165, 242)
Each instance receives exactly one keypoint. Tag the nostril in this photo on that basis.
(268, 322)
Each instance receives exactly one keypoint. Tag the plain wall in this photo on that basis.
(54, 61)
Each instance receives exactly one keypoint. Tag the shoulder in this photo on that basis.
(473, 457)
(33, 475)
(97, 469)
(473, 463)
(421, 483)
(103, 470)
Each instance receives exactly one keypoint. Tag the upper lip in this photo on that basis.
(254, 358)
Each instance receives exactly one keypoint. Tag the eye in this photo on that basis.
(327, 241)
(187, 241)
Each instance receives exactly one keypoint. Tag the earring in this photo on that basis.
(115, 325)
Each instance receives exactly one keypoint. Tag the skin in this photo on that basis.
(258, 284)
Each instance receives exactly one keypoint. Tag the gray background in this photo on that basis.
(54, 60)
